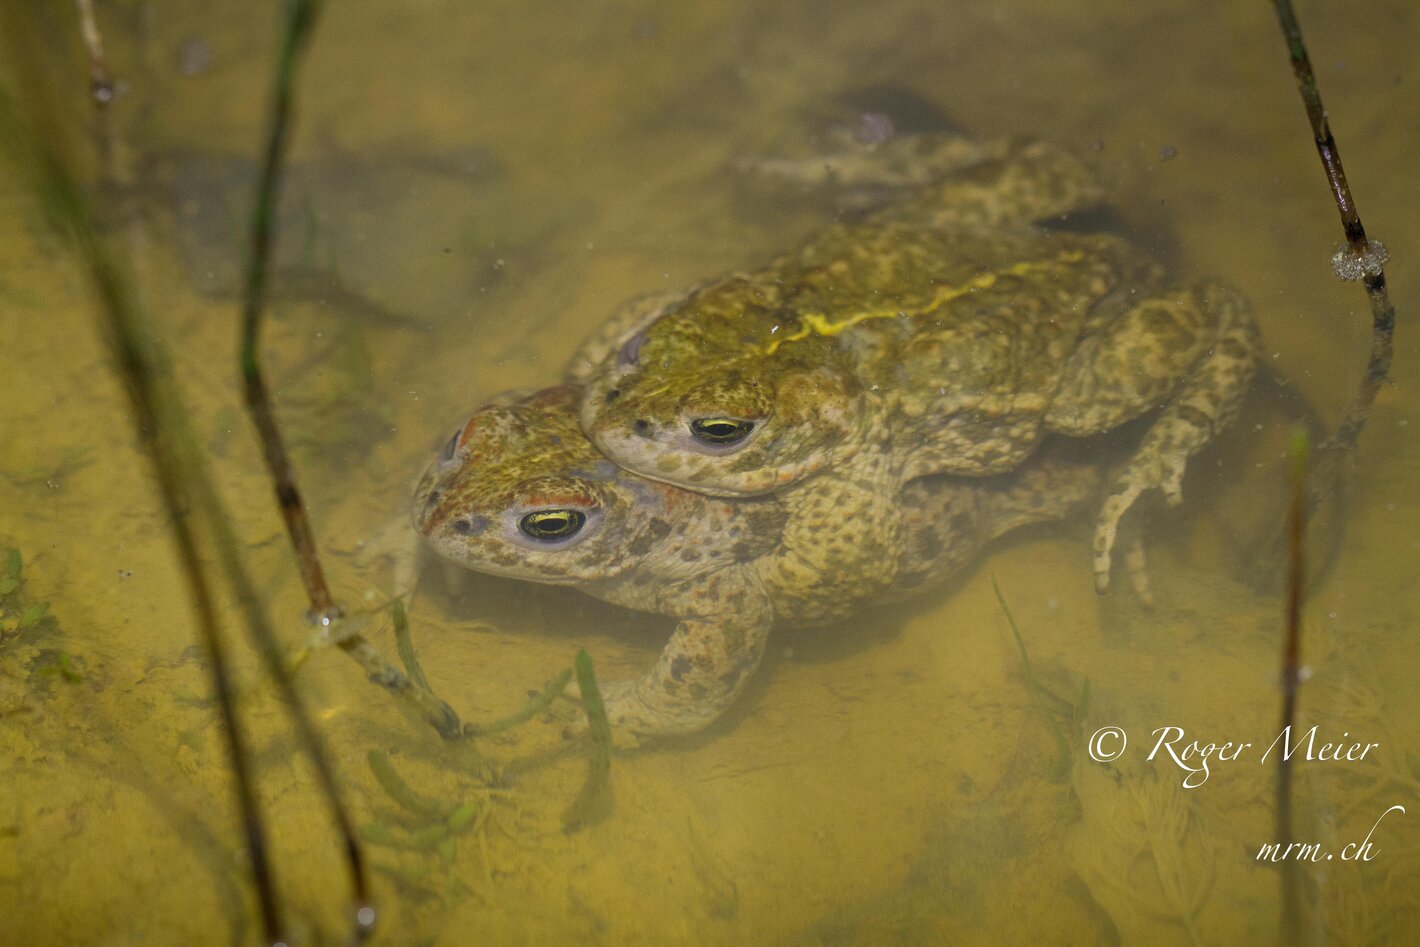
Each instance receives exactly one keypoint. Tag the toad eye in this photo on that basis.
(550, 525)
(720, 431)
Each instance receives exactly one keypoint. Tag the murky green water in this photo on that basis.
(476, 185)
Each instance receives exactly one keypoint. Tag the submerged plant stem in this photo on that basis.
(1365, 260)
(101, 85)
(300, 22)
(593, 802)
(1292, 909)
(424, 702)
(1361, 259)
(179, 465)
(535, 706)
(400, 791)
(1037, 692)
(405, 645)
(162, 428)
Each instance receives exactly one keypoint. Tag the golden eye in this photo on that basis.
(720, 431)
(547, 525)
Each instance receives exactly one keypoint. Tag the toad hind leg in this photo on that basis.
(1204, 404)
(1033, 181)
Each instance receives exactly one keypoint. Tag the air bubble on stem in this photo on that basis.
(1353, 264)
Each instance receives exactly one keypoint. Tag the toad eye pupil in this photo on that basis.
(552, 524)
(720, 430)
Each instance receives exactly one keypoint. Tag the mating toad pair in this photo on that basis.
(847, 424)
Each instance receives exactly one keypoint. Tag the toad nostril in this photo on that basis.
(642, 427)
(613, 395)
(432, 498)
(469, 525)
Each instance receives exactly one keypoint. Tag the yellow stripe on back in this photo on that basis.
(816, 323)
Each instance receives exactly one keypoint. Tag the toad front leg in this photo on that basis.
(702, 669)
